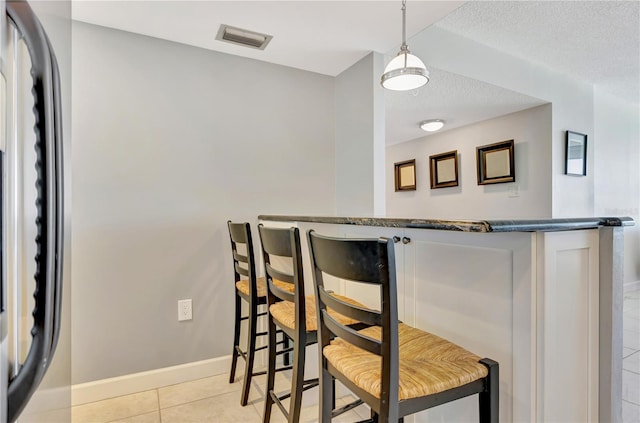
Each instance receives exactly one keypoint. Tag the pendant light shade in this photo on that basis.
(405, 71)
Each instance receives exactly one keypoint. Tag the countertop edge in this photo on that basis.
(511, 225)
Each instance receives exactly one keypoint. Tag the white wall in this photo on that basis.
(617, 169)
(360, 146)
(169, 142)
(576, 106)
(531, 131)
(572, 103)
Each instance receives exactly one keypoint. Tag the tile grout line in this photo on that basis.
(196, 400)
(630, 355)
(159, 409)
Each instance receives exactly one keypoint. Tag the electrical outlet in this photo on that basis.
(185, 311)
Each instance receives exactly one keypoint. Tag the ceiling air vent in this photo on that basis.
(243, 37)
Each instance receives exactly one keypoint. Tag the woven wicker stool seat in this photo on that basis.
(261, 284)
(428, 364)
(285, 313)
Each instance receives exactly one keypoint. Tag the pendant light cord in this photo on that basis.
(404, 48)
(404, 26)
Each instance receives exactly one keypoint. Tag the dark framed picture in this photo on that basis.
(444, 169)
(495, 163)
(405, 175)
(575, 152)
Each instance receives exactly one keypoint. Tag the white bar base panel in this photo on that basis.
(545, 305)
(137, 382)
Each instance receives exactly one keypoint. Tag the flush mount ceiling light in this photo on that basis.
(432, 125)
(243, 37)
(405, 71)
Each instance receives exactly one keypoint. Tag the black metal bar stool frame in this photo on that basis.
(286, 243)
(244, 265)
(373, 262)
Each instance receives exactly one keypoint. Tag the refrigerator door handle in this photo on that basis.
(49, 204)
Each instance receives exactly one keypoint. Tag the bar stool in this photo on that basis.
(252, 290)
(295, 314)
(396, 369)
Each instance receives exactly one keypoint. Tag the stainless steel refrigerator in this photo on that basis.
(31, 209)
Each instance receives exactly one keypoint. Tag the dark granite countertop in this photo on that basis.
(503, 225)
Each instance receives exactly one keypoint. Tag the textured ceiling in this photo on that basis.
(596, 41)
(457, 100)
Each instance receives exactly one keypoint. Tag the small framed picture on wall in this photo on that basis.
(444, 169)
(405, 175)
(495, 163)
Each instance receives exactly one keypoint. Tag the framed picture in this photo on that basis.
(444, 169)
(405, 175)
(575, 154)
(495, 163)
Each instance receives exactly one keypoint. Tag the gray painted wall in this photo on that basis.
(169, 142)
(360, 147)
(158, 129)
(572, 103)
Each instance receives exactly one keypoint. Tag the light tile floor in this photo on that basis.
(210, 399)
(213, 399)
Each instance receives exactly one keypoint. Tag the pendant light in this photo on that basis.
(405, 71)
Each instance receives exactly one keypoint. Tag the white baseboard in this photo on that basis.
(137, 382)
(632, 286)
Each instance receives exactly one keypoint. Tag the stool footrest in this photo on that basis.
(261, 348)
(243, 354)
(306, 385)
(264, 313)
(348, 407)
(288, 350)
(277, 402)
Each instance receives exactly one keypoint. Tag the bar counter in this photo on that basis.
(542, 297)
(513, 225)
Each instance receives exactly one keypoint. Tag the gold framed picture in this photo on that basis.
(444, 169)
(405, 175)
(495, 163)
